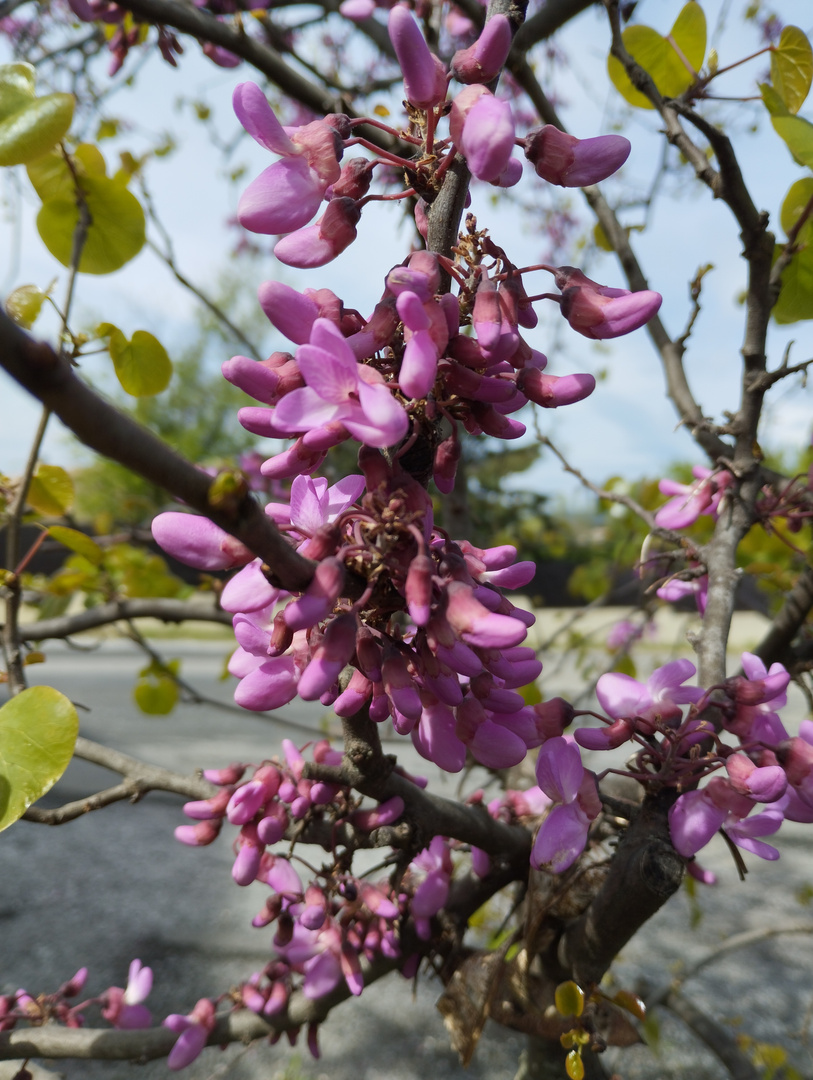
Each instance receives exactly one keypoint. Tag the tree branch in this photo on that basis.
(168, 611)
(671, 352)
(716, 1037)
(106, 430)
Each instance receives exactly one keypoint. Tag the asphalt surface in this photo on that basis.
(115, 885)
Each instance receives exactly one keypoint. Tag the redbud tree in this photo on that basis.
(346, 590)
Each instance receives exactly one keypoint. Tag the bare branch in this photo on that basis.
(730, 944)
(168, 611)
(716, 1037)
(610, 496)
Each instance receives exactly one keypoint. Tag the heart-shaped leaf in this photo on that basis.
(792, 67)
(672, 61)
(142, 365)
(79, 542)
(795, 131)
(34, 128)
(25, 304)
(51, 490)
(38, 730)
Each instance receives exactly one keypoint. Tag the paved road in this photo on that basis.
(115, 885)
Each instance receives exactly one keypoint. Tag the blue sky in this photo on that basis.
(627, 426)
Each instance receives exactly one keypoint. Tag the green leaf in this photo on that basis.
(794, 204)
(116, 233)
(574, 1066)
(688, 34)
(663, 57)
(531, 694)
(25, 304)
(107, 129)
(78, 542)
(156, 695)
(142, 365)
(792, 67)
(795, 131)
(569, 998)
(31, 131)
(50, 491)
(17, 82)
(795, 301)
(38, 730)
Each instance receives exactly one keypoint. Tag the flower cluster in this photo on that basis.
(123, 1008)
(707, 496)
(766, 769)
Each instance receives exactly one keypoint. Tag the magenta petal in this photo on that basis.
(496, 747)
(383, 421)
(188, 1047)
(619, 695)
(270, 686)
(257, 117)
(431, 895)
(198, 542)
(693, 821)
(488, 137)
(284, 197)
(419, 365)
(596, 159)
(322, 974)
(248, 590)
(559, 770)
(414, 57)
(561, 839)
(292, 313)
(434, 738)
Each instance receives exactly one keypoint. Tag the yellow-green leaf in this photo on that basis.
(17, 82)
(156, 696)
(50, 491)
(792, 67)
(33, 129)
(78, 542)
(663, 57)
(142, 365)
(793, 206)
(38, 730)
(25, 304)
(795, 131)
(631, 1002)
(116, 233)
(574, 1066)
(531, 694)
(569, 998)
(795, 301)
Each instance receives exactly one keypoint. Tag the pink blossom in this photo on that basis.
(193, 1033)
(424, 78)
(483, 60)
(567, 161)
(124, 1008)
(562, 777)
(198, 542)
(482, 127)
(340, 389)
(597, 311)
(287, 194)
(319, 244)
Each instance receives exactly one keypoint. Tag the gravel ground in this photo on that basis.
(115, 885)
